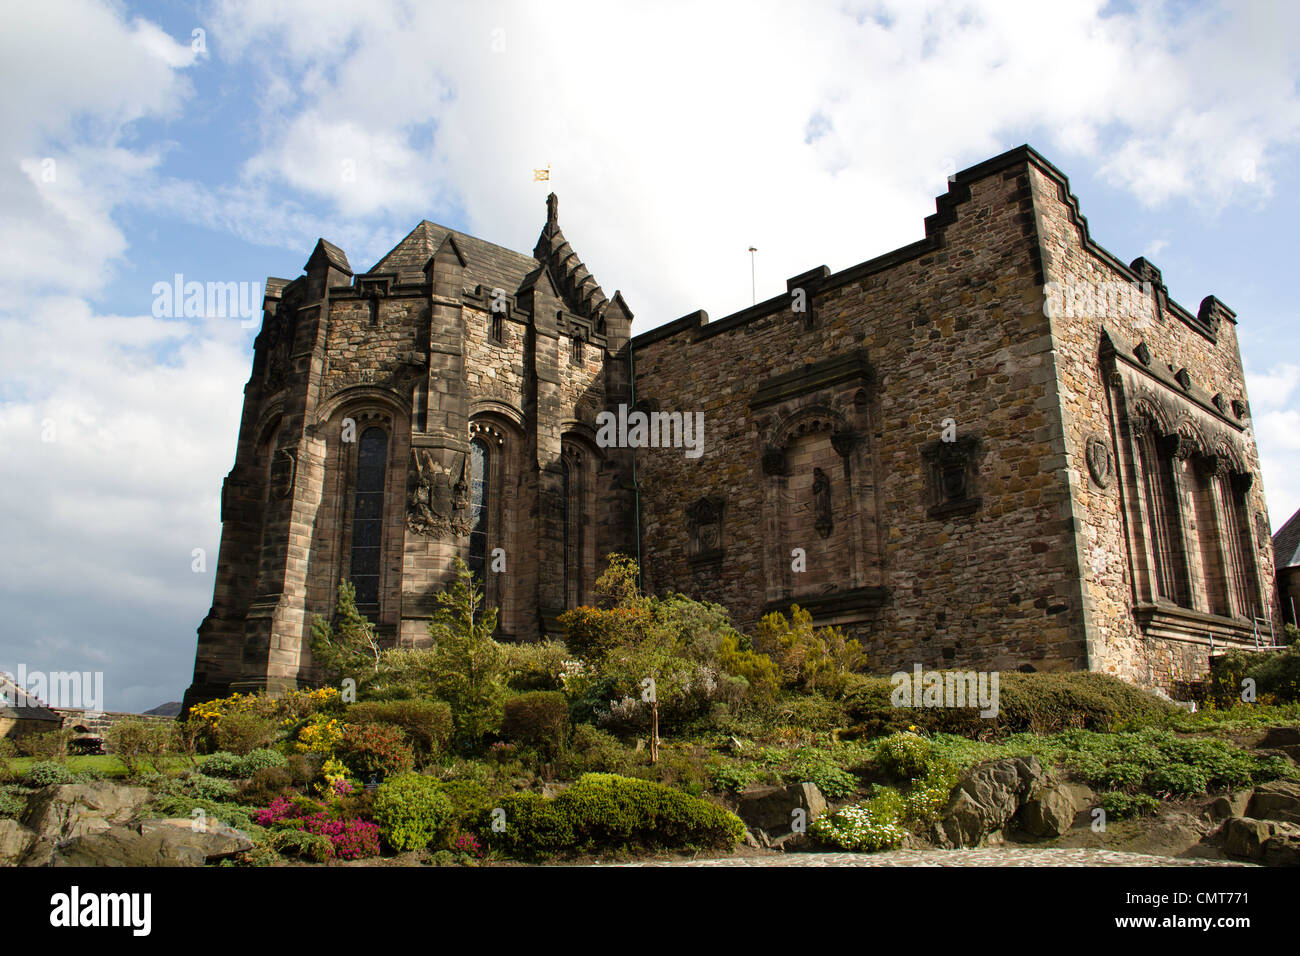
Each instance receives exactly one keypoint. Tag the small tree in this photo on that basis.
(349, 645)
(468, 663)
(137, 742)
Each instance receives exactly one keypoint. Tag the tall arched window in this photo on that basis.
(367, 515)
(574, 545)
(1241, 552)
(1162, 511)
(479, 495)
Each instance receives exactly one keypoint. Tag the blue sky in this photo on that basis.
(678, 134)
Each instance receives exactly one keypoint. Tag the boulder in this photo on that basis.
(985, 799)
(1276, 800)
(1232, 805)
(173, 842)
(1244, 837)
(771, 809)
(64, 811)
(1282, 848)
(1051, 811)
(14, 841)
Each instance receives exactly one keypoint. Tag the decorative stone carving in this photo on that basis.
(821, 488)
(1100, 464)
(1178, 446)
(1143, 353)
(1261, 528)
(1212, 465)
(1238, 408)
(844, 442)
(282, 474)
(774, 461)
(951, 467)
(438, 501)
(1241, 482)
(1184, 379)
(705, 517)
(1220, 403)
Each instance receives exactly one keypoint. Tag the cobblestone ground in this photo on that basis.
(990, 856)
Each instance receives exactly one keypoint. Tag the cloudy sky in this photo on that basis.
(218, 140)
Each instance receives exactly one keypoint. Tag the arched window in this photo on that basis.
(577, 347)
(1241, 552)
(479, 496)
(367, 515)
(1162, 510)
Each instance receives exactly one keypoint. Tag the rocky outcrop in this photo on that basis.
(1269, 842)
(14, 841)
(985, 799)
(1276, 800)
(65, 811)
(173, 842)
(770, 816)
(1051, 811)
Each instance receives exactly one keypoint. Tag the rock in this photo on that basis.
(1282, 848)
(153, 843)
(64, 811)
(985, 799)
(794, 843)
(14, 841)
(1232, 805)
(1051, 811)
(772, 808)
(1280, 738)
(1244, 838)
(751, 840)
(1276, 800)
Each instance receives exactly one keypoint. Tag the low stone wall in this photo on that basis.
(97, 724)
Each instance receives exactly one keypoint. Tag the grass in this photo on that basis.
(105, 765)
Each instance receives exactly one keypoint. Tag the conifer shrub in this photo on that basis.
(606, 811)
(412, 810)
(235, 767)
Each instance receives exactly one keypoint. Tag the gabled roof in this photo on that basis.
(487, 264)
(496, 267)
(17, 703)
(1286, 544)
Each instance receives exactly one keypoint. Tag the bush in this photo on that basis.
(139, 742)
(534, 665)
(1120, 806)
(243, 732)
(1158, 762)
(426, 723)
(594, 751)
(758, 670)
(299, 843)
(231, 814)
(47, 773)
(808, 659)
(375, 750)
(304, 769)
(411, 811)
(47, 746)
(204, 787)
(469, 799)
(864, 828)
(12, 802)
(538, 719)
(904, 756)
(265, 785)
(1276, 675)
(1027, 703)
(233, 766)
(605, 811)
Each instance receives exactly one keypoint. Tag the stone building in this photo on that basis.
(1286, 554)
(998, 447)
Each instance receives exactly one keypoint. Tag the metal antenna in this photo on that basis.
(753, 288)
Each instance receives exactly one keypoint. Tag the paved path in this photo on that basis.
(989, 856)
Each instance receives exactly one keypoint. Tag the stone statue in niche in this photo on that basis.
(705, 518)
(822, 503)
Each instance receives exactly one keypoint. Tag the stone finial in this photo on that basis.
(552, 210)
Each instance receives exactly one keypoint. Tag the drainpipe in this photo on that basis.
(636, 484)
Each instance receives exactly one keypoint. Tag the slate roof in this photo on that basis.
(496, 267)
(1286, 544)
(17, 703)
(493, 266)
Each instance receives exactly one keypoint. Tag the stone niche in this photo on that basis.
(819, 498)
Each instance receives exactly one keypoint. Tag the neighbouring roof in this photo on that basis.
(16, 703)
(1286, 544)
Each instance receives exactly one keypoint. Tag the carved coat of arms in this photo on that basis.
(438, 500)
(1100, 465)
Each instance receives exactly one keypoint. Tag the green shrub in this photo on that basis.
(734, 777)
(593, 750)
(305, 769)
(203, 787)
(809, 659)
(904, 756)
(412, 810)
(234, 766)
(1120, 806)
(12, 802)
(47, 773)
(820, 768)
(538, 719)
(534, 665)
(426, 723)
(299, 843)
(371, 750)
(139, 742)
(469, 799)
(242, 732)
(759, 671)
(605, 811)
(231, 814)
(52, 745)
